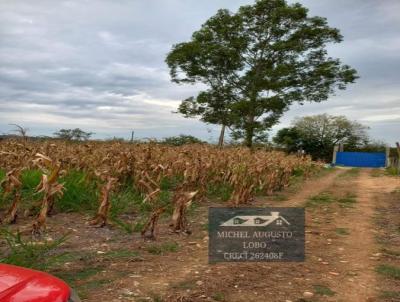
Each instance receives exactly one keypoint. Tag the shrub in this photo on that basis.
(30, 254)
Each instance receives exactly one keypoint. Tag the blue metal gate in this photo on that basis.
(361, 159)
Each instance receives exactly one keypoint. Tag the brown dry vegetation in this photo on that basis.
(144, 167)
(344, 261)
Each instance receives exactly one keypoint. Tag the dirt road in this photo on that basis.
(338, 267)
(360, 250)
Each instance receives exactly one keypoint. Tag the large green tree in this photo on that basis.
(318, 134)
(255, 63)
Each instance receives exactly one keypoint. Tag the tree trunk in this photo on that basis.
(249, 137)
(221, 136)
(249, 128)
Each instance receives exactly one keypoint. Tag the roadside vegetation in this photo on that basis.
(387, 222)
(31, 254)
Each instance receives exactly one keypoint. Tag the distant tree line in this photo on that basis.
(318, 134)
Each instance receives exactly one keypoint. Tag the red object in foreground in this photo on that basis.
(19, 284)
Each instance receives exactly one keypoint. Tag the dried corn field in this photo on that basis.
(129, 222)
(190, 171)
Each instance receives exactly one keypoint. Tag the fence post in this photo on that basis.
(335, 150)
(387, 157)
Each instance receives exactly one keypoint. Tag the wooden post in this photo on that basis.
(335, 151)
(398, 157)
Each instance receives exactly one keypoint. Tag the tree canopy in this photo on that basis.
(318, 134)
(73, 134)
(181, 140)
(255, 63)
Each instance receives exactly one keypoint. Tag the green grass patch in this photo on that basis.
(342, 231)
(162, 249)
(219, 191)
(164, 200)
(377, 173)
(170, 183)
(2, 175)
(388, 294)
(297, 172)
(295, 183)
(122, 254)
(323, 290)
(354, 172)
(389, 271)
(127, 200)
(126, 226)
(187, 284)
(80, 194)
(323, 198)
(91, 285)
(139, 225)
(218, 296)
(77, 279)
(31, 254)
(74, 276)
(348, 200)
(30, 179)
(30, 199)
(392, 171)
(85, 256)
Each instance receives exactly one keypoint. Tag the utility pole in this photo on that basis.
(132, 134)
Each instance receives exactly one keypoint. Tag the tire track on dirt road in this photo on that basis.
(309, 188)
(211, 276)
(358, 283)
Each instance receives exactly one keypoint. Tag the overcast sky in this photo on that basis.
(99, 65)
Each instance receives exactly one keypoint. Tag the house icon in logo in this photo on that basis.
(259, 220)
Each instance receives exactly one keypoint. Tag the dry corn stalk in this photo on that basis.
(149, 228)
(150, 187)
(12, 185)
(102, 213)
(11, 216)
(50, 188)
(182, 203)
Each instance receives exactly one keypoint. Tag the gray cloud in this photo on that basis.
(99, 64)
